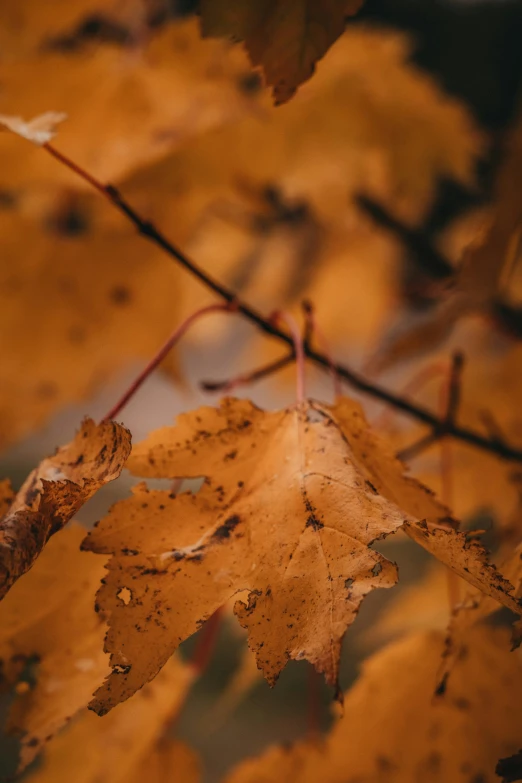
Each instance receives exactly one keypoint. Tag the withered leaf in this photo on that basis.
(115, 748)
(286, 39)
(394, 731)
(39, 130)
(292, 502)
(55, 490)
(48, 618)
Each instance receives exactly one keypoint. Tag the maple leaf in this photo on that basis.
(474, 609)
(49, 617)
(286, 39)
(429, 523)
(292, 502)
(54, 491)
(39, 130)
(285, 516)
(122, 744)
(395, 731)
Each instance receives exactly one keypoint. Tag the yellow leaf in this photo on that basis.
(119, 745)
(395, 731)
(49, 617)
(292, 502)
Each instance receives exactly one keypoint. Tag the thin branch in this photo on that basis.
(312, 329)
(450, 394)
(420, 445)
(500, 448)
(297, 339)
(453, 392)
(250, 377)
(176, 335)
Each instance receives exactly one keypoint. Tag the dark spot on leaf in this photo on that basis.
(441, 687)
(120, 295)
(224, 530)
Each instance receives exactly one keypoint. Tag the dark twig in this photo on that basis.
(451, 393)
(501, 449)
(249, 377)
(280, 316)
(312, 330)
(428, 258)
(165, 349)
(418, 447)
(454, 389)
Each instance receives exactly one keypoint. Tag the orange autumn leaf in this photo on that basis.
(276, 526)
(125, 742)
(48, 617)
(144, 100)
(427, 526)
(54, 491)
(285, 39)
(75, 324)
(395, 731)
(291, 504)
(170, 760)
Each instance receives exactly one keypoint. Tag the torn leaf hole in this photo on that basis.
(125, 595)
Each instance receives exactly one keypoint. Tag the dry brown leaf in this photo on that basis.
(39, 130)
(285, 39)
(394, 731)
(55, 490)
(115, 748)
(49, 617)
(292, 502)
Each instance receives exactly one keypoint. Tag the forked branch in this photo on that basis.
(450, 429)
